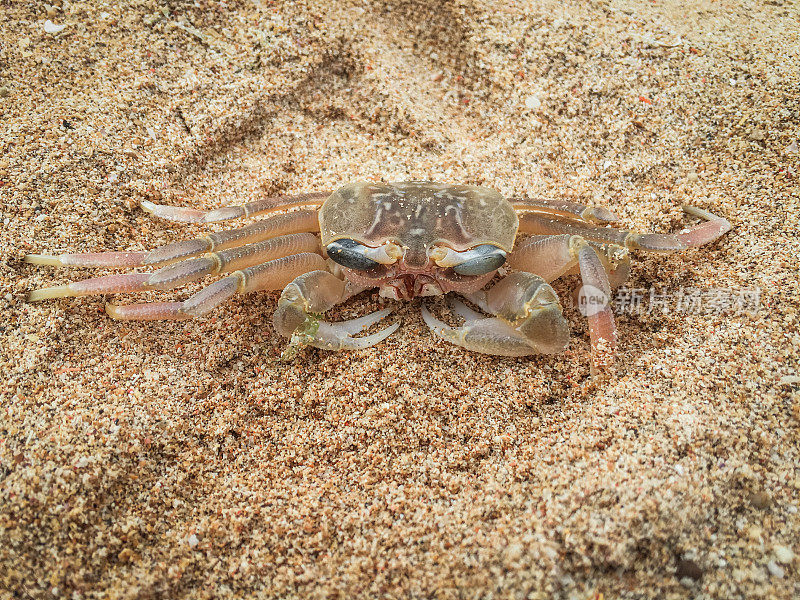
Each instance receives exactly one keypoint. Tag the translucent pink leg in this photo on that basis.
(690, 237)
(186, 271)
(706, 232)
(293, 222)
(564, 209)
(594, 302)
(550, 256)
(272, 275)
(553, 256)
(271, 205)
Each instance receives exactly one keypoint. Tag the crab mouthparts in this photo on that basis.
(406, 287)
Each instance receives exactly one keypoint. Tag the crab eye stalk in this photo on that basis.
(479, 260)
(354, 255)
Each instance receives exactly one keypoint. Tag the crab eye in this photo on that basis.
(480, 260)
(355, 255)
(350, 254)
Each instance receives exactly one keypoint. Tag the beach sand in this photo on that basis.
(184, 460)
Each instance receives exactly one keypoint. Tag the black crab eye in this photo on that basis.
(350, 254)
(481, 260)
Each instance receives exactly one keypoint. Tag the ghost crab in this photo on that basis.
(407, 239)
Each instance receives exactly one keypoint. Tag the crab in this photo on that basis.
(407, 239)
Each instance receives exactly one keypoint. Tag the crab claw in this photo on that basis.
(488, 335)
(338, 336)
(299, 309)
(528, 321)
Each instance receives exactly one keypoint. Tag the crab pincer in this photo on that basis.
(301, 305)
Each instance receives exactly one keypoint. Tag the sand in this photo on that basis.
(184, 460)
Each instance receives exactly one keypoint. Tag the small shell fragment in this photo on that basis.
(50, 27)
(533, 102)
(783, 554)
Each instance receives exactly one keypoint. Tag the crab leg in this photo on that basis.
(272, 275)
(564, 209)
(691, 237)
(185, 271)
(546, 255)
(553, 256)
(314, 293)
(593, 300)
(616, 261)
(549, 256)
(293, 222)
(184, 214)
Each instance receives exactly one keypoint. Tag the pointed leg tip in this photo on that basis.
(701, 213)
(375, 317)
(338, 336)
(179, 214)
(59, 291)
(43, 259)
(354, 326)
(694, 210)
(146, 311)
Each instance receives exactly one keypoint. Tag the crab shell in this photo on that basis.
(418, 217)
